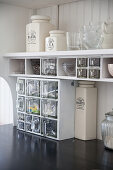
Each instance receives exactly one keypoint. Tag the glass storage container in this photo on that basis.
(35, 63)
(49, 89)
(21, 116)
(28, 127)
(33, 106)
(94, 62)
(49, 108)
(49, 67)
(35, 125)
(20, 125)
(20, 86)
(94, 73)
(33, 88)
(49, 127)
(81, 73)
(82, 62)
(28, 118)
(69, 68)
(21, 104)
(107, 130)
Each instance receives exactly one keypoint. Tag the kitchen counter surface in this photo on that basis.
(20, 151)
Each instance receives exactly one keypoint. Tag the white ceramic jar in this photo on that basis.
(36, 32)
(56, 41)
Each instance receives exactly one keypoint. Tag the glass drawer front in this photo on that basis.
(50, 89)
(20, 86)
(28, 127)
(81, 73)
(20, 125)
(33, 88)
(49, 128)
(21, 116)
(82, 62)
(33, 106)
(93, 73)
(28, 118)
(49, 67)
(21, 104)
(94, 62)
(35, 125)
(49, 108)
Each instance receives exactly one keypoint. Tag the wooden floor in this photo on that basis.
(20, 151)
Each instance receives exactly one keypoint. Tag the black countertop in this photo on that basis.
(20, 151)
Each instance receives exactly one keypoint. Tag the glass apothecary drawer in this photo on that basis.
(21, 116)
(35, 125)
(28, 118)
(28, 127)
(49, 67)
(20, 125)
(94, 62)
(49, 127)
(94, 73)
(81, 73)
(33, 106)
(21, 104)
(82, 62)
(49, 89)
(33, 88)
(20, 86)
(49, 108)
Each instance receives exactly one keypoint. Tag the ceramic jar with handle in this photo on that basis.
(36, 32)
(56, 41)
(107, 29)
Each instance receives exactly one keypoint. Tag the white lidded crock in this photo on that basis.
(56, 41)
(36, 32)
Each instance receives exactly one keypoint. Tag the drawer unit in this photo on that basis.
(41, 110)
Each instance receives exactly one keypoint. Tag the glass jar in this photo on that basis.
(36, 32)
(94, 62)
(107, 130)
(81, 73)
(56, 41)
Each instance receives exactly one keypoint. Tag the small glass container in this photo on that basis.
(81, 73)
(21, 104)
(107, 130)
(21, 116)
(82, 62)
(49, 89)
(28, 118)
(35, 63)
(69, 68)
(49, 128)
(49, 67)
(33, 106)
(20, 86)
(94, 62)
(28, 127)
(33, 88)
(20, 125)
(49, 108)
(35, 125)
(94, 73)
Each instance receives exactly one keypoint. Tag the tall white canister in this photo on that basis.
(56, 41)
(85, 115)
(36, 32)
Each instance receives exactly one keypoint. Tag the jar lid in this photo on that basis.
(57, 32)
(109, 114)
(40, 17)
(86, 82)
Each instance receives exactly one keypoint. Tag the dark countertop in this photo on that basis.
(20, 151)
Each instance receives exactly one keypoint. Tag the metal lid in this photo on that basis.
(40, 17)
(57, 32)
(109, 114)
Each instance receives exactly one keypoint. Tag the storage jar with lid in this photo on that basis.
(107, 130)
(56, 41)
(36, 32)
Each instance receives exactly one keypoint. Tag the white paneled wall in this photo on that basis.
(71, 17)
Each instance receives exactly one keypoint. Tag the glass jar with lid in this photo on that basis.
(36, 32)
(107, 130)
(56, 41)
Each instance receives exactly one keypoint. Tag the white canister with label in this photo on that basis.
(86, 107)
(36, 32)
(56, 41)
